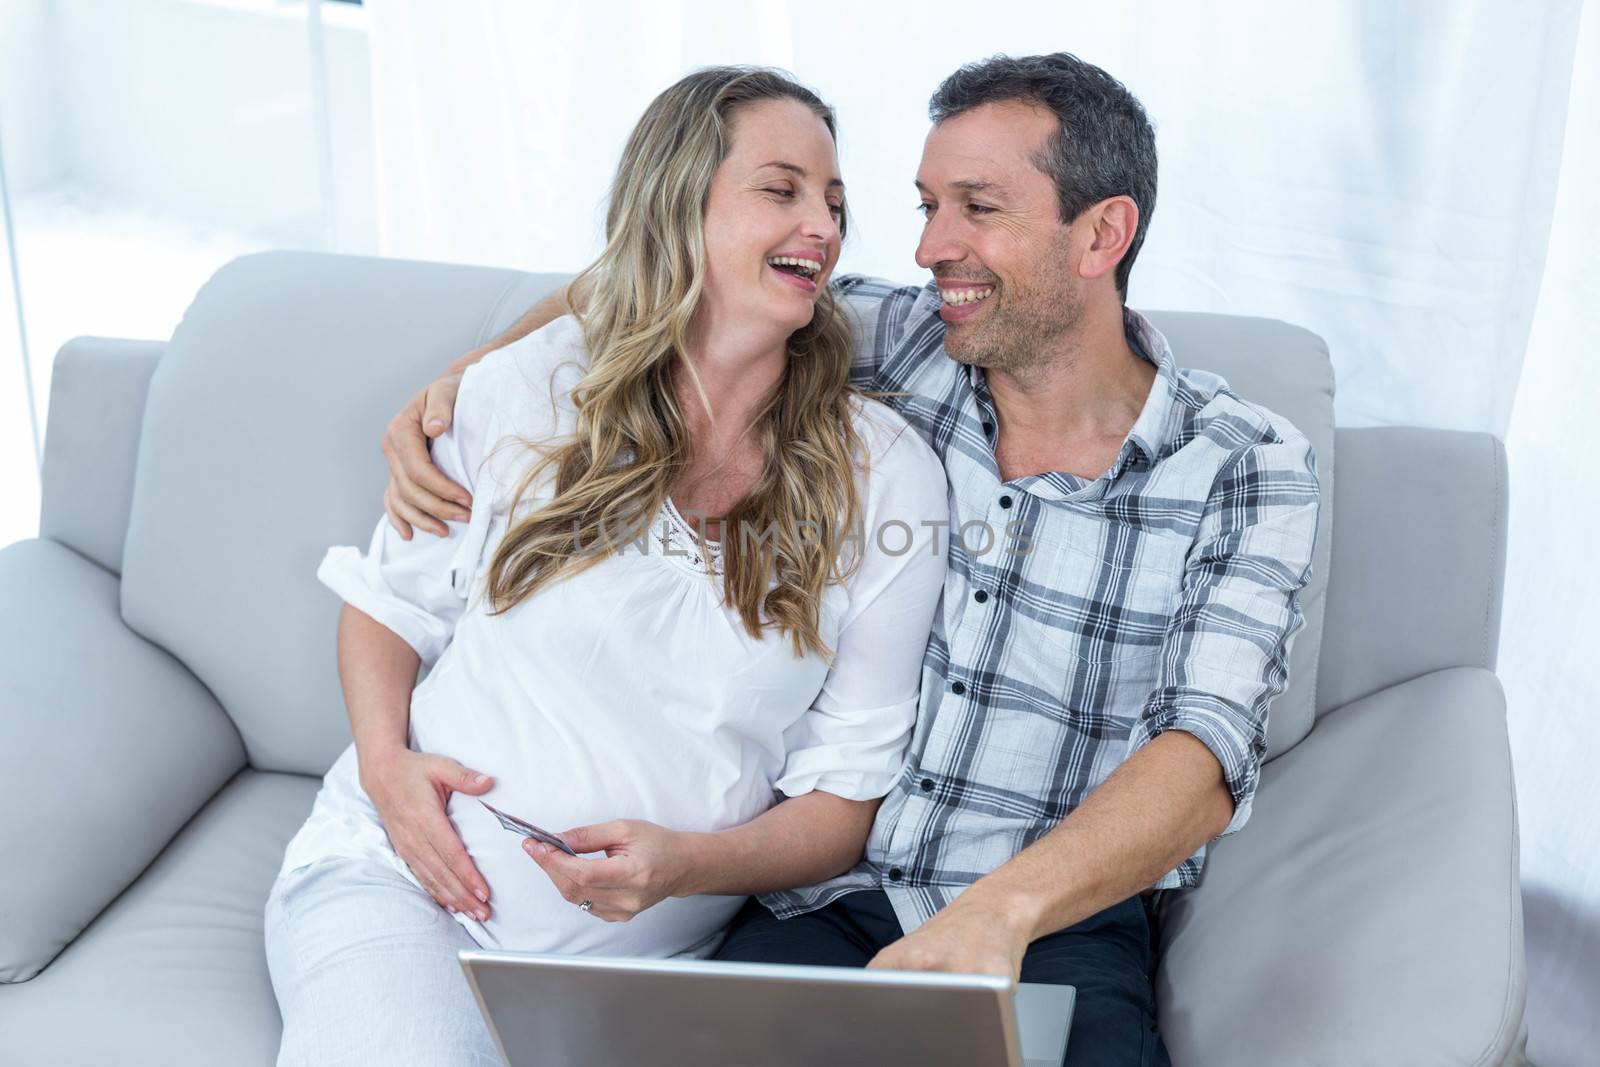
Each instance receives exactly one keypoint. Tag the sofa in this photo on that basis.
(169, 695)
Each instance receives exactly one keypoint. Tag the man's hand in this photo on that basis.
(644, 865)
(410, 790)
(418, 493)
(960, 939)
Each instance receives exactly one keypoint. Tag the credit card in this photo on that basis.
(527, 829)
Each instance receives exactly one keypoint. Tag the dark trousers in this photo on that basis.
(1107, 956)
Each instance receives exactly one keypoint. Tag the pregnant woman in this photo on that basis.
(680, 622)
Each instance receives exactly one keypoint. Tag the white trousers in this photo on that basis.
(364, 966)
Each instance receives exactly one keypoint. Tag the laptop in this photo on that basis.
(577, 1011)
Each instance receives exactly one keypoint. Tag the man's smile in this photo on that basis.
(961, 300)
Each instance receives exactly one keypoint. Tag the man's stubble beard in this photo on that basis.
(1026, 330)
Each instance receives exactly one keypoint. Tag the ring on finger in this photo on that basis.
(586, 905)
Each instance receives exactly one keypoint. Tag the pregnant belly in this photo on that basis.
(566, 767)
(528, 914)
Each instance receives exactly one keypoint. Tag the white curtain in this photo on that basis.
(1547, 642)
(1412, 182)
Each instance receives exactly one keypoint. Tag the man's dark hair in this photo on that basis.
(1104, 145)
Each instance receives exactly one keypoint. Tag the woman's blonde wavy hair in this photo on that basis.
(632, 442)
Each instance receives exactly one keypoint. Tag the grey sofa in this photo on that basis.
(169, 697)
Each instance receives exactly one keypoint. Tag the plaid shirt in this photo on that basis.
(1161, 595)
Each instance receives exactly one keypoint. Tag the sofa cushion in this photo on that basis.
(1287, 370)
(1370, 912)
(175, 971)
(260, 449)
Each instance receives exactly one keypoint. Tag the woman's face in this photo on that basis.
(775, 199)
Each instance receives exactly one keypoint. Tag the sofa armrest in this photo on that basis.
(1371, 910)
(107, 747)
(97, 391)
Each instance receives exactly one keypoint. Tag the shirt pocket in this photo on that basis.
(1101, 592)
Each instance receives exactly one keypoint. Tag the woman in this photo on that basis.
(651, 681)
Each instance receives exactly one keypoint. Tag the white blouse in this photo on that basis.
(628, 691)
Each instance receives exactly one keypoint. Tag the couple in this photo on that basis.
(675, 572)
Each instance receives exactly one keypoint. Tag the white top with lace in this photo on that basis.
(629, 690)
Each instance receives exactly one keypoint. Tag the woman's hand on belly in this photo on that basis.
(644, 864)
(410, 790)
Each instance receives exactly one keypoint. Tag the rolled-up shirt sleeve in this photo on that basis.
(1225, 655)
(418, 588)
(852, 741)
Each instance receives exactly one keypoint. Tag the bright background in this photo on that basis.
(1415, 182)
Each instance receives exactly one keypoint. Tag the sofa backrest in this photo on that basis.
(1287, 370)
(259, 449)
(1419, 557)
(97, 397)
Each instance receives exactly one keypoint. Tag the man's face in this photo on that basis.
(996, 245)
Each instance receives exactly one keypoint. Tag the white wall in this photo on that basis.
(202, 109)
(35, 155)
(1380, 175)
(36, 151)
(147, 142)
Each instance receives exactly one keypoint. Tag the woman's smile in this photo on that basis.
(799, 269)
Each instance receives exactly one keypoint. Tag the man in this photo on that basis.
(1095, 691)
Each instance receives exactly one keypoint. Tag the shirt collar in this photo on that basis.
(1151, 429)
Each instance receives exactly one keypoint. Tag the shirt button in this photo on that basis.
(980, 596)
(895, 874)
(957, 688)
(927, 785)
(1005, 501)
